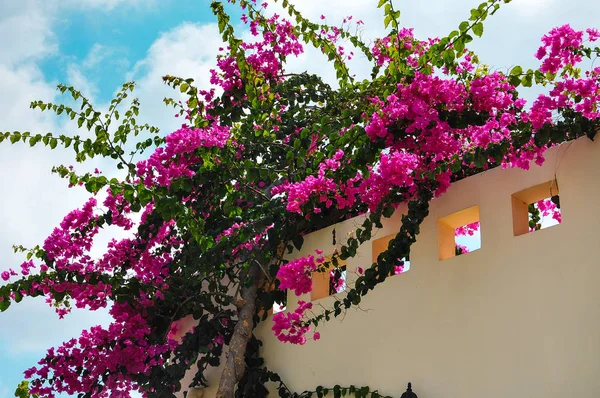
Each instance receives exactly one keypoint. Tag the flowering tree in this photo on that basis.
(261, 159)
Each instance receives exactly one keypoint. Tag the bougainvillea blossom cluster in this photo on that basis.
(290, 326)
(101, 352)
(548, 208)
(177, 158)
(271, 157)
(297, 275)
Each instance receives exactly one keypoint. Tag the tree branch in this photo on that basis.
(235, 364)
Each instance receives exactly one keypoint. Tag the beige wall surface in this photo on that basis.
(519, 317)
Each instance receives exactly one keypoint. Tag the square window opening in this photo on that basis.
(337, 280)
(278, 296)
(459, 233)
(381, 245)
(536, 208)
(329, 279)
(280, 303)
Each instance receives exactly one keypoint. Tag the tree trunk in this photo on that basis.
(235, 364)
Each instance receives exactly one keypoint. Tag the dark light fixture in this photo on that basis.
(409, 392)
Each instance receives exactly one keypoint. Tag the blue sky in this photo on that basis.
(97, 45)
(117, 38)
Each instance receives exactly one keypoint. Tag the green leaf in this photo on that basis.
(59, 296)
(459, 46)
(298, 241)
(22, 390)
(145, 196)
(4, 304)
(527, 80)
(455, 166)
(387, 20)
(517, 70)
(542, 135)
(448, 57)
(18, 296)
(388, 211)
(515, 81)
(478, 29)
(539, 77)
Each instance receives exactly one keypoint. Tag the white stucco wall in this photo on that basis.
(519, 317)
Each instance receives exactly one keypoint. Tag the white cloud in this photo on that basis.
(26, 26)
(85, 75)
(76, 78)
(32, 199)
(336, 10)
(30, 31)
(109, 5)
(36, 200)
(189, 50)
(97, 54)
(33, 202)
(32, 326)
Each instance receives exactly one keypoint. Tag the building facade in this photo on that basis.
(518, 317)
